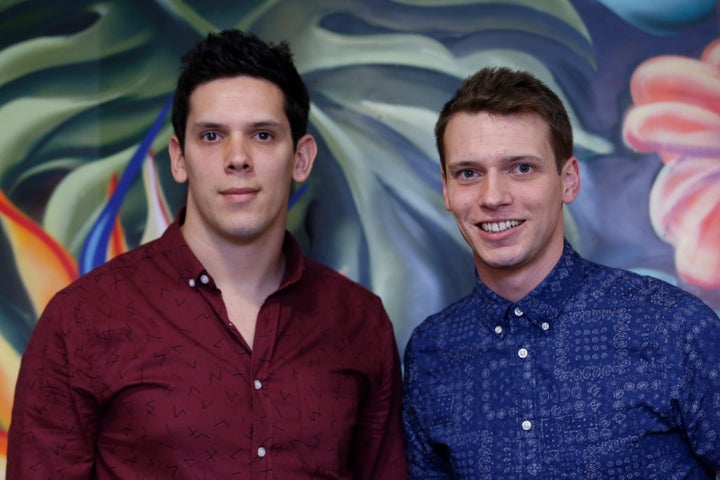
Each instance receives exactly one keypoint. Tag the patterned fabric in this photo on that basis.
(598, 373)
(135, 371)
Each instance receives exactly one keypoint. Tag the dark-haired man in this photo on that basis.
(218, 350)
(553, 367)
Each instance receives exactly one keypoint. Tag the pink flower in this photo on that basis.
(677, 115)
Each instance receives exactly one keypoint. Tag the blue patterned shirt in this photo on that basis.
(598, 373)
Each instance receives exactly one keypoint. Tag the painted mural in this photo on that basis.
(84, 92)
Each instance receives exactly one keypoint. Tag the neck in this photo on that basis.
(253, 269)
(510, 285)
(515, 283)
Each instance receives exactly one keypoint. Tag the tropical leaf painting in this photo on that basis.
(84, 91)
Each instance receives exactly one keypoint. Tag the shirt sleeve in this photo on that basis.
(700, 390)
(53, 424)
(424, 461)
(377, 448)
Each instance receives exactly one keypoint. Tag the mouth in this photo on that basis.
(496, 227)
(239, 191)
(240, 196)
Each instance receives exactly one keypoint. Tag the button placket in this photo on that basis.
(523, 353)
(260, 382)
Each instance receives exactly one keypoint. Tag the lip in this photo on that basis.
(240, 193)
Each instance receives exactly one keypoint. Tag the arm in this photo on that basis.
(53, 421)
(700, 391)
(377, 448)
(424, 461)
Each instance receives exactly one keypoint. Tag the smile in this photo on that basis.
(494, 227)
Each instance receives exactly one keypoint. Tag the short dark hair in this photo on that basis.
(232, 53)
(502, 91)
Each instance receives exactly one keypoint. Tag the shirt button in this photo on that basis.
(191, 282)
(545, 326)
(258, 384)
(204, 279)
(526, 425)
(498, 329)
(518, 312)
(522, 353)
(261, 452)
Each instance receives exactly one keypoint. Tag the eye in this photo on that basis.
(210, 136)
(466, 173)
(524, 168)
(263, 135)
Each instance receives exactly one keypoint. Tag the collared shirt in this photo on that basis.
(598, 373)
(135, 372)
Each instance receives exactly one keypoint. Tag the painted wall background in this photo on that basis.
(83, 132)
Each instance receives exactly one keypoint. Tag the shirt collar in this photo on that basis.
(545, 302)
(294, 261)
(179, 254)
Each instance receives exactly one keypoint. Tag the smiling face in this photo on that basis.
(502, 185)
(239, 161)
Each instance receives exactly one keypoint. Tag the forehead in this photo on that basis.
(237, 96)
(471, 134)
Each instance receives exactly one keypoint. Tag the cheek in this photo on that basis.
(459, 203)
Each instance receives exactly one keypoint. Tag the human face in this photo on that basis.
(239, 160)
(502, 185)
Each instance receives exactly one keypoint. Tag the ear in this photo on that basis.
(570, 176)
(305, 153)
(177, 160)
(444, 188)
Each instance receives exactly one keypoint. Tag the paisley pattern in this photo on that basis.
(598, 373)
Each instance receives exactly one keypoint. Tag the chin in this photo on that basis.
(502, 260)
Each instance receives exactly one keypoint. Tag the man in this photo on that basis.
(553, 367)
(218, 350)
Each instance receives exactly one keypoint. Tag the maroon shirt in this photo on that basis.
(135, 371)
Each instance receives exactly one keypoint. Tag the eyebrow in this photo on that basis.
(461, 164)
(509, 160)
(253, 125)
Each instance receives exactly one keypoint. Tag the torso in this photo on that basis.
(242, 312)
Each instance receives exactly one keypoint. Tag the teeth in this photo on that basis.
(499, 226)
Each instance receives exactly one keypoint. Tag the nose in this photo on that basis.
(237, 157)
(495, 191)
